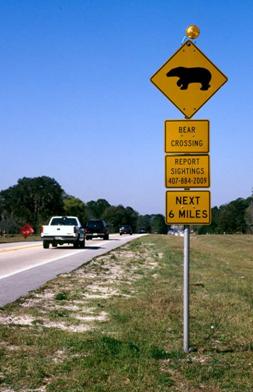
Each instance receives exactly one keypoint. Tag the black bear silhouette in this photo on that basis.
(191, 75)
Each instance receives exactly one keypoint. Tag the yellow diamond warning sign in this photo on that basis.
(188, 208)
(188, 79)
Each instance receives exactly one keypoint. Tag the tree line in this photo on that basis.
(35, 200)
(231, 218)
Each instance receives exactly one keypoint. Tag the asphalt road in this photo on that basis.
(25, 266)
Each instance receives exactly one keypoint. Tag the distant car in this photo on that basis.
(126, 229)
(142, 230)
(96, 228)
(177, 233)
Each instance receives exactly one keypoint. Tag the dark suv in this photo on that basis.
(126, 229)
(96, 228)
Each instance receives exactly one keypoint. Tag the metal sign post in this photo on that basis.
(186, 299)
(188, 79)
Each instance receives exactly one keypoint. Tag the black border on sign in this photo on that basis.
(187, 156)
(187, 44)
(188, 223)
(187, 152)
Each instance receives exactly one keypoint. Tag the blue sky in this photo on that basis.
(77, 103)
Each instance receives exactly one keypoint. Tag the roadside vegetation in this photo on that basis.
(34, 200)
(8, 238)
(116, 324)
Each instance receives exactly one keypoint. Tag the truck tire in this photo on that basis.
(82, 244)
(106, 237)
(76, 244)
(45, 244)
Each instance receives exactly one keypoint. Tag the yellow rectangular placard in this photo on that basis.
(186, 136)
(188, 208)
(187, 171)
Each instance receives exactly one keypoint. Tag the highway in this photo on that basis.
(25, 266)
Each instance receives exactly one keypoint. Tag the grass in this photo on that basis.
(116, 324)
(17, 238)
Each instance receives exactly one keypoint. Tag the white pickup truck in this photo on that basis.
(63, 230)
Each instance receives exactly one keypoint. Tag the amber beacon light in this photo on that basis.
(192, 31)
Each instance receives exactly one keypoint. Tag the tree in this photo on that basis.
(231, 217)
(131, 217)
(234, 217)
(114, 217)
(249, 216)
(143, 222)
(212, 228)
(96, 209)
(32, 200)
(75, 207)
(158, 224)
(119, 215)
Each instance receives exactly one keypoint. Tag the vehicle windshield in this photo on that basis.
(95, 225)
(64, 221)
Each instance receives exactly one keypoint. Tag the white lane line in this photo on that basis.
(41, 263)
(57, 258)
